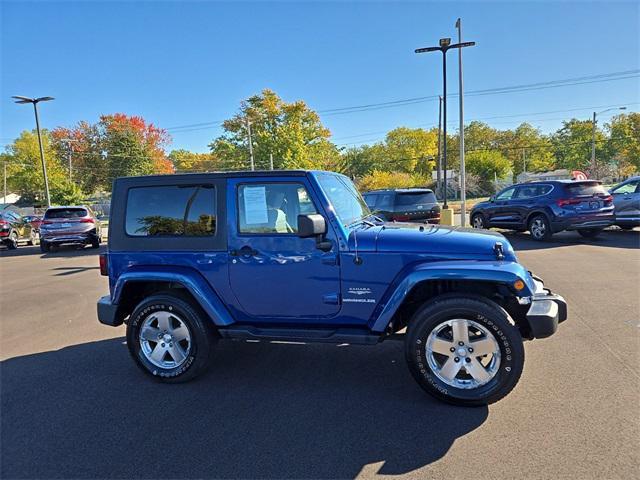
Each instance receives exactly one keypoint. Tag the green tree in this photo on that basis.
(357, 162)
(624, 143)
(291, 132)
(186, 161)
(383, 179)
(486, 166)
(526, 145)
(411, 149)
(572, 146)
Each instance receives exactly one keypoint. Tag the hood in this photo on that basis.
(441, 241)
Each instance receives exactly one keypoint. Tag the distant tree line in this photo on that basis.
(291, 135)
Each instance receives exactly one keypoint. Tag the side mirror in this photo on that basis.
(313, 225)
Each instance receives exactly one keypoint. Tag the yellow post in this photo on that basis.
(446, 216)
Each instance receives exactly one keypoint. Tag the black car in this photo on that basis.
(545, 208)
(15, 229)
(404, 205)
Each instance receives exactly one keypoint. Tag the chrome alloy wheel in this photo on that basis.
(538, 228)
(478, 222)
(463, 354)
(165, 340)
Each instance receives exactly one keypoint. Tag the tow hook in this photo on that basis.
(498, 250)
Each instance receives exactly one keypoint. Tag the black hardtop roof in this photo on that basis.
(226, 174)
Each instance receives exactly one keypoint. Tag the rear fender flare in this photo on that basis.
(502, 273)
(192, 281)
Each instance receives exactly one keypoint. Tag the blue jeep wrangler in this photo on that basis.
(298, 256)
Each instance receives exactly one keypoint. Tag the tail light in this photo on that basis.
(46, 222)
(568, 201)
(3, 223)
(607, 199)
(104, 265)
(87, 220)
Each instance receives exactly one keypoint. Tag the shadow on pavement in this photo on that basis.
(608, 238)
(62, 251)
(263, 410)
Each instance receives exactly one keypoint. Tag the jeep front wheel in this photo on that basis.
(464, 350)
(169, 338)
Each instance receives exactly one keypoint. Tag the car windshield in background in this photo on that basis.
(418, 198)
(343, 195)
(586, 189)
(66, 213)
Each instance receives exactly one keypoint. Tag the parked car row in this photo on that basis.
(76, 225)
(548, 207)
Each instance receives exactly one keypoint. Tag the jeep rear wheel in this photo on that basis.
(464, 350)
(169, 338)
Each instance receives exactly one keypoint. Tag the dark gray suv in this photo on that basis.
(75, 225)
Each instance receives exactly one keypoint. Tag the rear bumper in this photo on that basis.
(546, 311)
(107, 312)
(593, 221)
(54, 237)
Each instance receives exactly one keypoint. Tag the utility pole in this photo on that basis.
(4, 165)
(271, 160)
(35, 101)
(439, 163)
(444, 46)
(253, 167)
(69, 142)
(593, 138)
(463, 180)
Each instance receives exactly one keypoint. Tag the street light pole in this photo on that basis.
(444, 46)
(593, 136)
(35, 101)
(439, 165)
(463, 176)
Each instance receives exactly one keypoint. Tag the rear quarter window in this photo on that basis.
(185, 211)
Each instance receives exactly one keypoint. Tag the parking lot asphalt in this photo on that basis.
(73, 405)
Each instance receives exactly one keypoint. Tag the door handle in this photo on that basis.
(245, 251)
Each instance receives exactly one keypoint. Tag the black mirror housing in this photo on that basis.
(312, 225)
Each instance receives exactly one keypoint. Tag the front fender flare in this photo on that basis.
(199, 288)
(504, 273)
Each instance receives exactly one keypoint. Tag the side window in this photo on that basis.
(544, 189)
(188, 211)
(626, 188)
(370, 200)
(272, 207)
(385, 202)
(506, 194)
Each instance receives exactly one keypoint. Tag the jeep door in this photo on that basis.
(274, 274)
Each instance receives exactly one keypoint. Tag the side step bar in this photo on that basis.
(352, 336)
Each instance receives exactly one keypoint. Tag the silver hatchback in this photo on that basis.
(626, 199)
(76, 225)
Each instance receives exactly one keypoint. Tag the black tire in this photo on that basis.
(491, 317)
(44, 247)
(34, 238)
(201, 330)
(478, 221)
(539, 228)
(590, 232)
(12, 243)
(95, 243)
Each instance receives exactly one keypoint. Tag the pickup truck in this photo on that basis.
(298, 256)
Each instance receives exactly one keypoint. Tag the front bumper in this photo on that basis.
(546, 311)
(107, 312)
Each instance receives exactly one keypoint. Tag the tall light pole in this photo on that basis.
(463, 175)
(593, 136)
(439, 164)
(444, 46)
(35, 101)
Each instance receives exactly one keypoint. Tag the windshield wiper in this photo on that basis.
(364, 219)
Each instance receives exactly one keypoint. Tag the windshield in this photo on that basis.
(348, 204)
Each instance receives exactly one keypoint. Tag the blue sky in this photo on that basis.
(185, 63)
